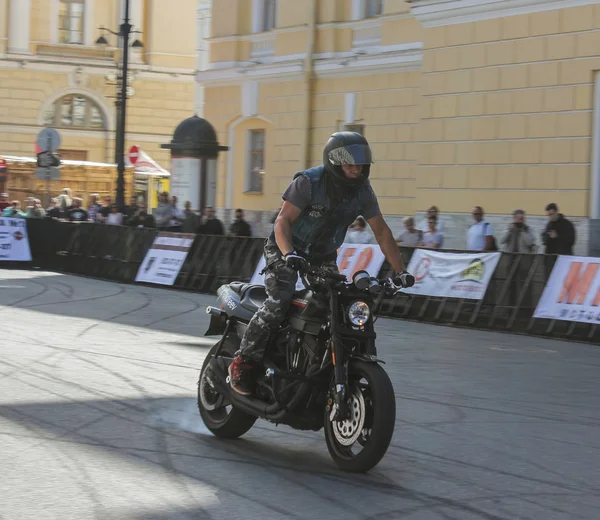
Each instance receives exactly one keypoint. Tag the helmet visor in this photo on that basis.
(352, 154)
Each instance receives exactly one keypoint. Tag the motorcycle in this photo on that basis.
(320, 368)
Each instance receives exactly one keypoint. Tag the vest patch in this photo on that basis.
(317, 211)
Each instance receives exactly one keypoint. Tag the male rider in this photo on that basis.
(318, 207)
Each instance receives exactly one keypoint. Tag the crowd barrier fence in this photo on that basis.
(116, 252)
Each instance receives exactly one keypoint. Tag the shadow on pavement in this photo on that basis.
(267, 474)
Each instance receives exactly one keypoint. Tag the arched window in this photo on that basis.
(75, 111)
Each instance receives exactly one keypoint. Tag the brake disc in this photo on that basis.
(346, 432)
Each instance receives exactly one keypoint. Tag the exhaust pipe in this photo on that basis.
(249, 405)
(215, 311)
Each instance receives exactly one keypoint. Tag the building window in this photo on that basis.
(71, 21)
(270, 15)
(75, 111)
(373, 8)
(256, 161)
(360, 129)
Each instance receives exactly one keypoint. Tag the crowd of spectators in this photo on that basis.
(558, 236)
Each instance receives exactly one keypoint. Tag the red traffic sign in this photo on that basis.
(134, 154)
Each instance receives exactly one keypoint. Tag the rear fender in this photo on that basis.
(217, 325)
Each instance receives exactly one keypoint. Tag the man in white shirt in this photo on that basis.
(480, 236)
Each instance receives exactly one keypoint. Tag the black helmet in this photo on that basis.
(347, 148)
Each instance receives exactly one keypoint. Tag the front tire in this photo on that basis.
(219, 416)
(359, 443)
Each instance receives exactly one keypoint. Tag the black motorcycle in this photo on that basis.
(320, 368)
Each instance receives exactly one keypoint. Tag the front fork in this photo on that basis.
(339, 364)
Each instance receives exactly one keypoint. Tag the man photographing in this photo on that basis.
(318, 207)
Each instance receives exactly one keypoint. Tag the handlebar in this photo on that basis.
(325, 273)
(376, 287)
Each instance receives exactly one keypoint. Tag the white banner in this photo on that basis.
(164, 259)
(452, 275)
(351, 258)
(573, 291)
(14, 243)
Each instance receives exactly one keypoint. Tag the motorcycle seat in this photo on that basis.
(253, 296)
(238, 287)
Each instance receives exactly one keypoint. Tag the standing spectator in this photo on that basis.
(130, 210)
(53, 210)
(36, 210)
(64, 201)
(190, 221)
(4, 203)
(434, 212)
(105, 210)
(480, 236)
(433, 239)
(163, 212)
(94, 207)
(559, 235)
(14, 210)
(141, 219)
(211, 225)
(77, 213)
(411, 236)
(240, 228)
(177, 216)
(519, 237)
(115, 217)
(357, 233)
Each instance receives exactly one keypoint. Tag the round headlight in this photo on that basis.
(359, 313)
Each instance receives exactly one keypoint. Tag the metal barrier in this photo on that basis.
(116, 252)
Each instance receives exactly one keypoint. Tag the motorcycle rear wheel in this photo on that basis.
(218, 415)
(359, 443)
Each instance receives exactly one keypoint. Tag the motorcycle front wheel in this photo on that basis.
(218, 414)
(359, 442)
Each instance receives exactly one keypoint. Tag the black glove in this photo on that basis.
(294, 261)
(404, 279)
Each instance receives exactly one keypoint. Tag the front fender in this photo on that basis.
(367, 358)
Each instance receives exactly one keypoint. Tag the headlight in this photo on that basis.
(359, 313)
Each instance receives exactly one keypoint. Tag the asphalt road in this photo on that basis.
(98, 420)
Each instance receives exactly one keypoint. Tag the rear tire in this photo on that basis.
(372, 421)
(219, 416)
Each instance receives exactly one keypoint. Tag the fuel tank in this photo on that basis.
(308, 312)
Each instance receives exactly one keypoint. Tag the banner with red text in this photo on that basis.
(572, 292)
(351, 258)
(452, 275)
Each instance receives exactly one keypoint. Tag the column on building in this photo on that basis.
(19, 12)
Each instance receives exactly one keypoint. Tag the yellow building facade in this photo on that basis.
(464, 103)
(53, 74)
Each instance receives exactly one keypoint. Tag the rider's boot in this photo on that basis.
(240, 372)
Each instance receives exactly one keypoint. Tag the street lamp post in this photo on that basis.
(124, 33)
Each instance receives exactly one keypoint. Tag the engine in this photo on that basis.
(295, 351)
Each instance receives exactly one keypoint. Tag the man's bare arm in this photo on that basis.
(385, 239)
(283, 227)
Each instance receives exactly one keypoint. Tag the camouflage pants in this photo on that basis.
(280, 285)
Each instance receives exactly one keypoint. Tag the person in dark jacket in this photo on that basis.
(240, 228)
(559, 235)
(211, 225)
(141, 219)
